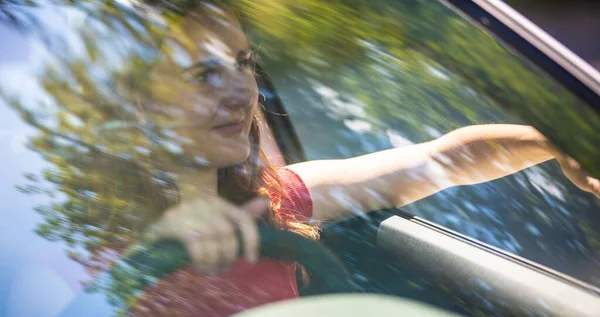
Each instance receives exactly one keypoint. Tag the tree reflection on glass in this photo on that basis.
(386, 74)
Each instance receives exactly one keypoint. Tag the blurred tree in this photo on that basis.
(104, 175)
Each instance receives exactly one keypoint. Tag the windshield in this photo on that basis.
(100, 104)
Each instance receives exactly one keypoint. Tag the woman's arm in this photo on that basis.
(481, 153)
(396, 177)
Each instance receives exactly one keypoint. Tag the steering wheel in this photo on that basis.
(145, 264)
(167, 256)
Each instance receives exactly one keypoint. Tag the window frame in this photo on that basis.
(582, 80)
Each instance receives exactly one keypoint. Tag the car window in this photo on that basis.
(360, 79)
(84, 172)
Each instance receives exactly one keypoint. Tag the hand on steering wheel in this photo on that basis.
(145, 264)
(169, 247)
(207, 228)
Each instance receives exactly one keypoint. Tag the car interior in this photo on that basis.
(462, 274)
(390, 246)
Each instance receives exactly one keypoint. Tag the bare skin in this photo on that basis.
(224, 91)
(396, 177)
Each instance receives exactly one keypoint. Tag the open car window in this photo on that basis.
(370, 77)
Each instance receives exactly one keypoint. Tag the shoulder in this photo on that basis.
(297, 201)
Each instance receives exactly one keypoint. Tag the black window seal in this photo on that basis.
(536, 45)
(278, 120)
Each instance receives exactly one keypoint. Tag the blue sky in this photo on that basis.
(36, 277)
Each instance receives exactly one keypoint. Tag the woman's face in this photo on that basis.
(211, 90)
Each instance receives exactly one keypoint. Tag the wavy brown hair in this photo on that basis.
(257, 176)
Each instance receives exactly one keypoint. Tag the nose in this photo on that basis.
(239, 90)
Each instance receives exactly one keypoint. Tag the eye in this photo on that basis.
(207, 75)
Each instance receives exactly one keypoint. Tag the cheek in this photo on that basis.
(202, 104)
(254, 94)
(253, 84)
(193, 106)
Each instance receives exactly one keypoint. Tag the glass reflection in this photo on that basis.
(113, 105)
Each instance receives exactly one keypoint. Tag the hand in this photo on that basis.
(576, 174)
(207, 227)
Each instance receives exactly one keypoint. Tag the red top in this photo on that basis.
(189, 293)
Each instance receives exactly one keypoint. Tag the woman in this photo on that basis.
(233, 182)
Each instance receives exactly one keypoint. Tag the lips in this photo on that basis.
(229, 128)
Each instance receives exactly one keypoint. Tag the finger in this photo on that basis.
(204, 239)
(204, 255)
(197, 253)
(244, 219)
(225, 233)
(212, 256)
(253, 209)
(594, 185)
(229, 252)
(248, 231)
(223, 228)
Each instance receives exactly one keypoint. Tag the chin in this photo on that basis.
(231, 157)
(220, 153)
